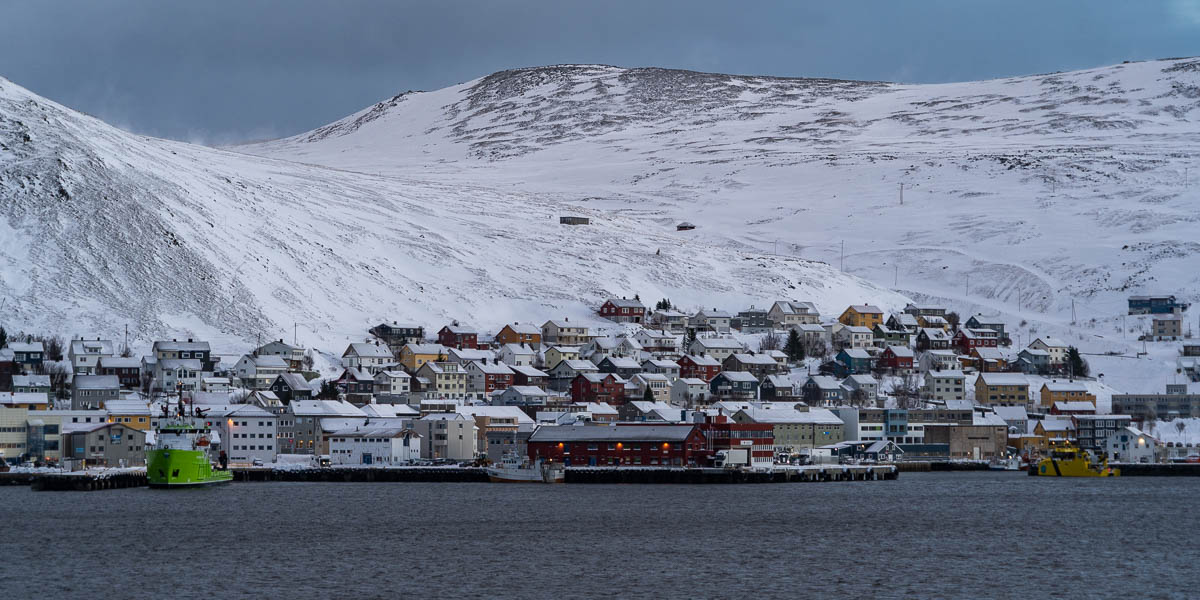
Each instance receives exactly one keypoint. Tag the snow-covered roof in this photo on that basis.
(625, 303)
(120, 362)
(528, 390)
(744, 376)
(26, 347)
(703, 361)
(470, 354)
(13, 398)
(1003, 379)
(988, 419)
(96, 382)
(495, 412)
(178, 346)
(1074, 406)
(615, 433)
(817, 416)
(31, 381)
(390, 411)
(901, 351)
(1012, 413)
(863, 309)
(367, 350)
(1050, 342)
(324, 408)
(430, 349)
(528, 371)
(1065, 386)
(91, 347)
(719, 343)
(947, 374)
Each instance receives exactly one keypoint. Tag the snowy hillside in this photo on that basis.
(1023, 197)
(1039, 189)
(100, 228)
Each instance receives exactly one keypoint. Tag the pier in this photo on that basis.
(726, 476)
(87, 481)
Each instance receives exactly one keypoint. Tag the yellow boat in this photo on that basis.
(1071, 461)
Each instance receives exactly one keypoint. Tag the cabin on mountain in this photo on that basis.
(573, 220)
(623, 310)
(398, 334)
(684, 226)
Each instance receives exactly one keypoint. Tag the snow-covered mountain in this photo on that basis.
(1020, 194)
(100, 228)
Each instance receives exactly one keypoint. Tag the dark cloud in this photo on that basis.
(230, 70)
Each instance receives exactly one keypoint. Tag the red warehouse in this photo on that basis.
(642, 445)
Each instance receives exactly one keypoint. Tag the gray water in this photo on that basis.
(953, 535)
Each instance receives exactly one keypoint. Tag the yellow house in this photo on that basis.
(414, 356)
(933, 322)
(862, 315)
(1002, 388)
(134, 414)
(558, 354)
(1065, 391)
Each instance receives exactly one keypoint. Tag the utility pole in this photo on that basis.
(295, 328)
(896, 279)
(901, 194)
(843, 263)
(1072, 311)
(1018, 300)
(967, 286)
(126, 337)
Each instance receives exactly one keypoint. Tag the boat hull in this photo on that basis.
(171, 468)
(1050, 467)
(524, 476)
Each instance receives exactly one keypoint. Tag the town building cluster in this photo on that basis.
(655, 387)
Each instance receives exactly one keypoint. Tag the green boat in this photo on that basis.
(180, 457)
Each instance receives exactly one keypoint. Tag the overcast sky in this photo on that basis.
(221, 71)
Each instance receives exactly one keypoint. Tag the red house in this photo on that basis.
(598, 387)
(898, 358)
(692, 366)
(640, 445)
(455, 336)
(526, 375)
(623, 311)
(968, 339)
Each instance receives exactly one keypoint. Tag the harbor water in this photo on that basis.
(926, 535)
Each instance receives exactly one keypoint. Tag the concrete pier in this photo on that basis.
(87, 481)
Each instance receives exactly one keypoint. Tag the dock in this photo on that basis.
(363, 474)
(1158, 469)
(818, 473)
(87, 481)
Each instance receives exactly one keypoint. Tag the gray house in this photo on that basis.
(91, 392)
(104, 444)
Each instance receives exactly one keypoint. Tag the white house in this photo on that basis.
(939, 360)
(247, 432)
(517, 355)
(787, 314)
(945, 385)
(85, 355)
(854, 336)
(689, 391)
(375, 446)
(718, 348)
(371, 358)
(1056, 348)
(179, 373)
(394, 383)
(447, 435)
(713, 320)
(1131, 445)
(257, 372)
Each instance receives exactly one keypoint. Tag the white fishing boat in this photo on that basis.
(1008, 463)
(517, 469)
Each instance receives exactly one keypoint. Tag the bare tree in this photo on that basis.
(59, 374)
(858, 398)
(816, 349)
(771, 341)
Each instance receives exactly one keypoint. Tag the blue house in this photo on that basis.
(1155, 305)
(30, 355)
(734, 385)
(853, 361)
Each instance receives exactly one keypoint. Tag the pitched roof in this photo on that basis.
(1003, 379)
(625, 303)
(95, 382)
(1065, 386)
(528, 371)
(433, 349)
(719, 343)
(615, 433)
(865, 309)
(738, 376)
(702, 361)
(365, 350)
(817, 416)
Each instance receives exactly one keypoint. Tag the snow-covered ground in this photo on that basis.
(1027, 198)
